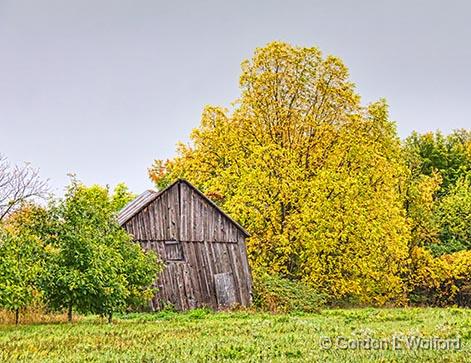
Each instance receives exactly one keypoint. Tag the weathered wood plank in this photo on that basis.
(225, 290)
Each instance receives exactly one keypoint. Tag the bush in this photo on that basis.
(458, 272)
(280, 295)
(440, 281)
(424, 277)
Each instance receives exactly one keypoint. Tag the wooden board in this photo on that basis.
(225, 290)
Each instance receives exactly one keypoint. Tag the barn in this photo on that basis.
(202, 247)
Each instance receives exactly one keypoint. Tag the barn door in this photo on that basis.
(225, 290)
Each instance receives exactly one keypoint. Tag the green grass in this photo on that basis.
(203, 336)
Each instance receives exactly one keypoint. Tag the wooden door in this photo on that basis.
(225, 290)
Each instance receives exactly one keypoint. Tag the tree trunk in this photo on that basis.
(69, 314)
(17, 316)
(110, 318)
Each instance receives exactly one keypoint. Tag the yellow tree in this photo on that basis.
(311, 173)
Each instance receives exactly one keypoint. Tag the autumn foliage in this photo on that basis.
(330, 195)
(314, 175)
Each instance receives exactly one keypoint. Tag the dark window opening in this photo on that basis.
(173, 251)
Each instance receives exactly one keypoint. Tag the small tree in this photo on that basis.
(20, 261)
(93, 265)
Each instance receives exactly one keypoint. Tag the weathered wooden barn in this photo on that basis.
(202, 247)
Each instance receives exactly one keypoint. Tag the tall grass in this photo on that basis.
(32, 315)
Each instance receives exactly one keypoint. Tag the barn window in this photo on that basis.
(173, 251)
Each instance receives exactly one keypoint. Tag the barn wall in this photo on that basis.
(211, 245)
(159, 220)
(200, 221)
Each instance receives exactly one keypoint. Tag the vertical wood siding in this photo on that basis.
(210, 242)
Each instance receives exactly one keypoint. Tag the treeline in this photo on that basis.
(70, 255)
(338, 207)
(332, 197)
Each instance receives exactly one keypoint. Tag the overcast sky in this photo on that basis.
(101, 88)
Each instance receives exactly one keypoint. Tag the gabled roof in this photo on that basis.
(144, 199)
(134, 206)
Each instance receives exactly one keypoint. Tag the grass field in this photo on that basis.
(202, 336)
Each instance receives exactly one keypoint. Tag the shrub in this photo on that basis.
(457, 267)
(424, 277)
(440, 281)
(281, 295)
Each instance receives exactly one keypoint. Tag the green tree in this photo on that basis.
(453, 216)
(21, 255)
(121, 196)
(449, 155)
(93, 265)
(436, 192)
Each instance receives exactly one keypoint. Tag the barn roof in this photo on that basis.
(136, 205)
(144, 199)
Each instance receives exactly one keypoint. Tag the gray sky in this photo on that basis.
(101, 88)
